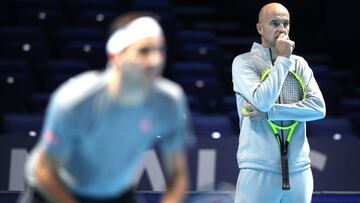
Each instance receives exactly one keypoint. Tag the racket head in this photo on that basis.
(293, 90)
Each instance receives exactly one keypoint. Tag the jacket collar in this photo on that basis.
(260, 51)
(264, 53)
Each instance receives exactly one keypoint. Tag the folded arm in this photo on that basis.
(261, 94)
(311, 108)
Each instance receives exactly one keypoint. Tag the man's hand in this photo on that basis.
(284, 46)
(170, 199)
(250, 111)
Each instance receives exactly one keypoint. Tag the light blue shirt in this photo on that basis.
(103, 141)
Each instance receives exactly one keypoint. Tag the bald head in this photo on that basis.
(272, 9)
(274, 20)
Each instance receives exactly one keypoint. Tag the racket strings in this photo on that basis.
(291, 92)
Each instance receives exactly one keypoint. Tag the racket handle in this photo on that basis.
(285, 170)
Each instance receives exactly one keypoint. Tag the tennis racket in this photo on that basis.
(293, 90)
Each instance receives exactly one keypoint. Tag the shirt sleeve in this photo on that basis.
(247, 81)
(58, 130)
(181, 133)
(311, 108)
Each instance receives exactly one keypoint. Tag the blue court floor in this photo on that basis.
(219, 197)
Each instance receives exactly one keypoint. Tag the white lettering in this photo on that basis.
(17, 164)
(206, 169)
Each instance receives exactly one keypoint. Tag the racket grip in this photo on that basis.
(285, 172)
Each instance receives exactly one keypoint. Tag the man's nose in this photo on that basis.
(281, 27)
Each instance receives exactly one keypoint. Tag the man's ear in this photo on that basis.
(259, 28)
(111, 57)
(115, 57)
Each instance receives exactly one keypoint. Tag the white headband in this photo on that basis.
(136, 30)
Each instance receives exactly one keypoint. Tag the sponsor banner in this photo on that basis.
(212, 164)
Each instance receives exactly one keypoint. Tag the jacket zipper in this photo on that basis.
(281, 122)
